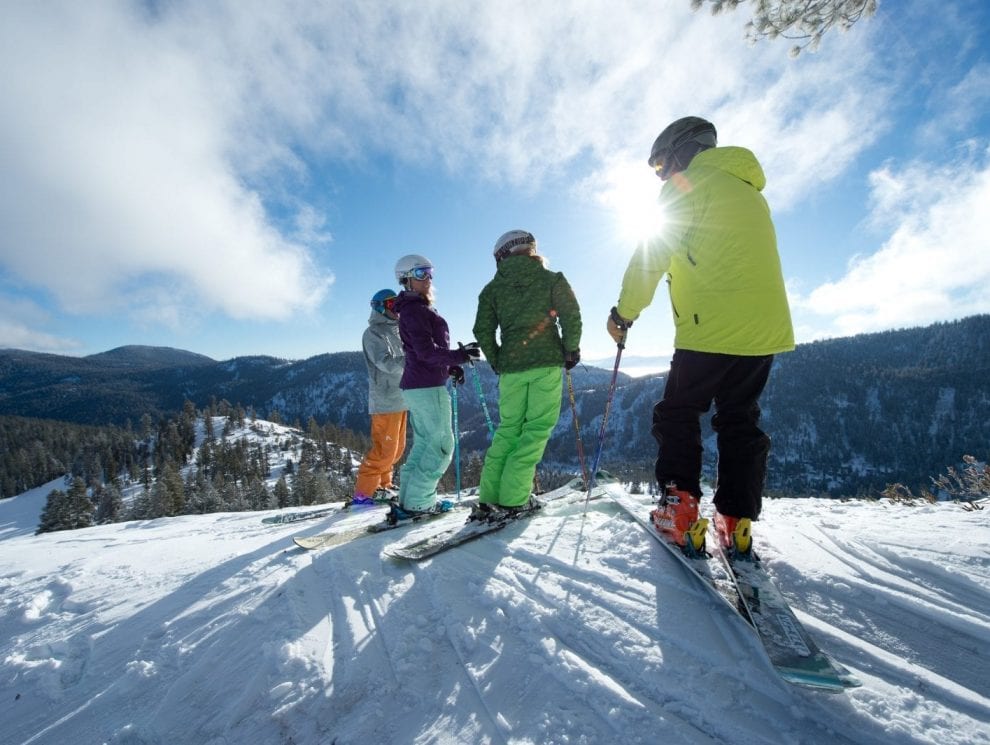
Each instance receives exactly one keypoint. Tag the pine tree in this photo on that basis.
(67, 510)
(281, 493)
(55, 515)
(110, 504)
(806, 21)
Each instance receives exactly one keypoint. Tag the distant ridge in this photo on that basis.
(847, 416)
(138, 356)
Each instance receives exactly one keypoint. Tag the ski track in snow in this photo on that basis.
(569, 627)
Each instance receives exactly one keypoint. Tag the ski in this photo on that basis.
(746, 588)
(291, 517)
(437, 542)
(341, 508)
(710, 573)
(791, 649)
(326, 540)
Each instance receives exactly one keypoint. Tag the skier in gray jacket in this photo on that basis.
(385, 360)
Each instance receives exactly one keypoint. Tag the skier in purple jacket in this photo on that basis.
(429, 362)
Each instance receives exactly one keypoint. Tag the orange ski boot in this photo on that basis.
(676, 517)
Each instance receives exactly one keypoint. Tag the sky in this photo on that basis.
(238, 177)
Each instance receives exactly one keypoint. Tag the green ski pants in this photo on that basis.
(432, 447)
(528, 407)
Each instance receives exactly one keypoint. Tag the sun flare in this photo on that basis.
(631, 197)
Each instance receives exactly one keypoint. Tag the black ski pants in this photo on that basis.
(734, 384)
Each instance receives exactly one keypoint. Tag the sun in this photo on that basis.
(631, 198)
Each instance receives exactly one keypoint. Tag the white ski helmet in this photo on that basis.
(513, 242)
(405, 266)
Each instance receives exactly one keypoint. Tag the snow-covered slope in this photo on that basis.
(567, 628)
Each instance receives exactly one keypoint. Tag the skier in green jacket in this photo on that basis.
(539, 324)
(719, 252)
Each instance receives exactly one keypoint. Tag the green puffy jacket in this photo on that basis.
(719, 251)
(524, 302)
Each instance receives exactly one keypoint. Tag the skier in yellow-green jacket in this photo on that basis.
(718, 250)
(538, 322)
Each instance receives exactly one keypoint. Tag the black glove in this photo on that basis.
(571, 359)
(457, 373)
(472, 351)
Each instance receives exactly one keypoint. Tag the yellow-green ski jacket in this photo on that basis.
(718, 249)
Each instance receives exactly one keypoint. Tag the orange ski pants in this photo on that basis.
(388, 442)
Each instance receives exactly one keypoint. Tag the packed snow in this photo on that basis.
(571, 627)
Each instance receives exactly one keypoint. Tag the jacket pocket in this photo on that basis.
(673, 305)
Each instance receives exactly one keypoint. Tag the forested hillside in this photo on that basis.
(847, 416)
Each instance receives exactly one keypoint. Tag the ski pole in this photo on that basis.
(457, 441)
(577, 427)
(476, 377)
(608, 405)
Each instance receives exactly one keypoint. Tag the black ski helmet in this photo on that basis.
(679, 142)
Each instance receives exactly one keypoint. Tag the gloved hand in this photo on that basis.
(617, 326)
(571, 359)
(472, 351)
(457, 373)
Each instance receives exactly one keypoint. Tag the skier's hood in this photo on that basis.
(519, 271)
(380, 319)
(738, 161)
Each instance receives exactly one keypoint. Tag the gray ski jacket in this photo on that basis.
(385, 360)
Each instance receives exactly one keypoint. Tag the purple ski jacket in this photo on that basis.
(426, 342)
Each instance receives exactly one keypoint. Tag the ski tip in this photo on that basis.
(399, 556)
(823, 685)
(306, 544)
(837, 680)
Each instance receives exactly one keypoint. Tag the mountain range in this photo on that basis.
(847, 416)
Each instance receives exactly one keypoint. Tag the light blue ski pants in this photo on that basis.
(432, 448)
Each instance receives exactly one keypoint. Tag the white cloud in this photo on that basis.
(14, 335)
(958, 109)
(119, 166)
(21, 322)
(517, 90)
(935, 265)
(155, 151)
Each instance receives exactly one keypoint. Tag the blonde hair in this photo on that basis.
(531, 252)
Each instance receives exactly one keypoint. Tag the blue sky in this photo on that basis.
(239, 177)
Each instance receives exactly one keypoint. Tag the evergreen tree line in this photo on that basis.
(224, 474)
(172, 476)
(36, 451)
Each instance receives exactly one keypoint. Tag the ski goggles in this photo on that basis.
(385, 304)
(421, 273)
(657, 161)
